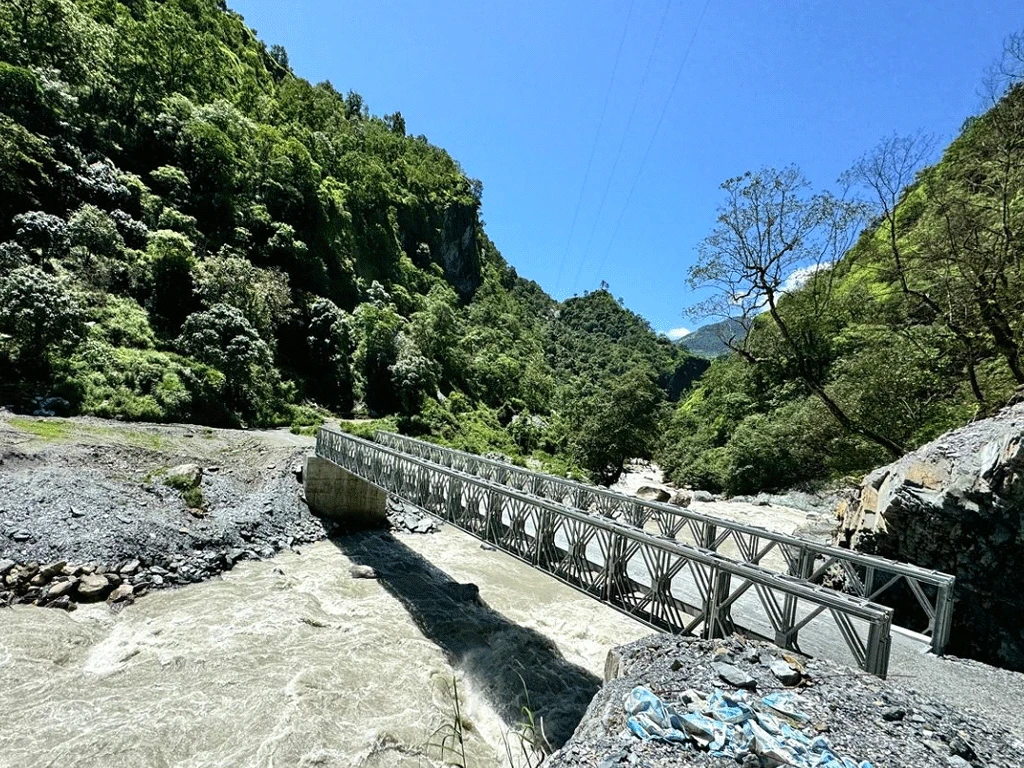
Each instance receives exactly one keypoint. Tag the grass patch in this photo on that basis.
(44, 429)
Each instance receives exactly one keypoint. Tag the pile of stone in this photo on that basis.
(873, 720)
(408, 518)
(63, 585)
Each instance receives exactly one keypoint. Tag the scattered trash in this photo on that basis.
(734, 725)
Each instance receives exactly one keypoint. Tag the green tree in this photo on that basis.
(221, 337)
(770, 226)
(615, 424)
(40, 319)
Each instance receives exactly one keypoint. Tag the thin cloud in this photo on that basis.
(677, 333)
(798, 277)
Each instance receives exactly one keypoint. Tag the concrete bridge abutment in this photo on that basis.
(336, 494)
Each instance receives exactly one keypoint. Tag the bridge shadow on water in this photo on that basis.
(512, 666)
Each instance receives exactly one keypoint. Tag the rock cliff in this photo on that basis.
(957, 505)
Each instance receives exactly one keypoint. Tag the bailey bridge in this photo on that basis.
(693, 573)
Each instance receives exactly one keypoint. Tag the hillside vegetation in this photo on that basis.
(914, 329)
(191, 232)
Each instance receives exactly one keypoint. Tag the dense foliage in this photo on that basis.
(915, 329)
(190, 232)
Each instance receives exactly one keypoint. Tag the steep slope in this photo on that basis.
(191, 232)
(711, 341)
(915, 331)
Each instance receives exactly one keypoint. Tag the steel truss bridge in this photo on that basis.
(594, 540)
(863, 575)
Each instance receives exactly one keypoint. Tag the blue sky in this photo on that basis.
(594, 167)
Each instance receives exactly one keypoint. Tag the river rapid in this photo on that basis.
(293, 662)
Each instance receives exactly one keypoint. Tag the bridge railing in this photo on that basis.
(663, 583)
(867, 576)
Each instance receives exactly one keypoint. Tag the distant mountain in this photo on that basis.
(709, 340)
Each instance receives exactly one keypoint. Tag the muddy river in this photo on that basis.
(293, 662)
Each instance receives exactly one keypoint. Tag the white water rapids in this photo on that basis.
(292, 662)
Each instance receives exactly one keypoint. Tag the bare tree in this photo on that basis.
(771, 227)
(888, 173)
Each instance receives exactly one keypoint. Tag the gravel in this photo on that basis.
(95, 503)
(863, 717)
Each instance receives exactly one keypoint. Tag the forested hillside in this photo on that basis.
(913, 330)
(189, 231)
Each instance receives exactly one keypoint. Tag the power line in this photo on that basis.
(650, 145)
(622, 143)
(593, 149)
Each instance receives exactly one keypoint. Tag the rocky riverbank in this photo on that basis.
(93, 511)
(860, 717)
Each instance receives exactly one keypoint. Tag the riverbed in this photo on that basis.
(293, 662)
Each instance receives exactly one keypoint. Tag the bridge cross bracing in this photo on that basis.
(664, 583)
(928, 609)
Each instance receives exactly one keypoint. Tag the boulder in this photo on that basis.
(653, 493)
(681, 498)
(184, 476)
(954, 505)
(785, 673)
(734, 676)
(362, 572)
(703, 496)
(93, 587)
(5, 566)
(61, 588)
(122, 593)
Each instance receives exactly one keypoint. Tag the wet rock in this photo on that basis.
(362, 572)
(61, 588)
(653, 493)
(93, 587)
(122, 593)
(703, 496)
(64, 602)
(682, 498)
(464, 593)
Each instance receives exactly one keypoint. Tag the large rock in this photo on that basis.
(93, 587)
(681, 498)
(957, 505)
(184, 476)
(653, 493)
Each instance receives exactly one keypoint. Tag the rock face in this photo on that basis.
(957, 505)
(449, 240)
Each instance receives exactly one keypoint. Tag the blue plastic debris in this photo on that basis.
(785, 703)
(734, 725)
